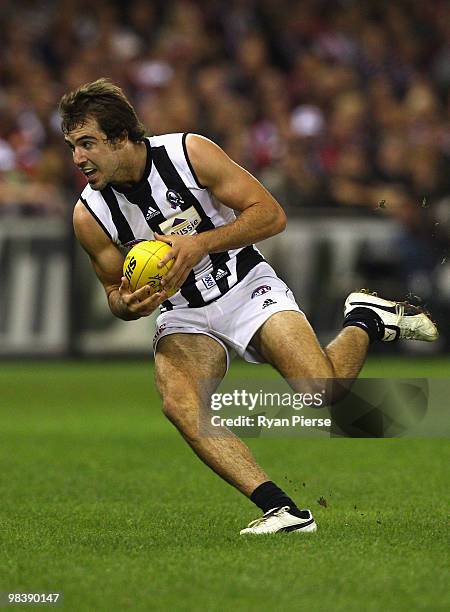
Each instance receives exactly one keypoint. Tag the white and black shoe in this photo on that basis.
(280, 520)
(400, 319)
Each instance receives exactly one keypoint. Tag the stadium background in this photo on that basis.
(342, 110)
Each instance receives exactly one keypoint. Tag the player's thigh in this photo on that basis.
(188, 366)
(288, 342)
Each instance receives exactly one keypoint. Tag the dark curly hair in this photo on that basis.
(105, 102)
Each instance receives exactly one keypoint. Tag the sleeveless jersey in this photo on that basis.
(170, 200)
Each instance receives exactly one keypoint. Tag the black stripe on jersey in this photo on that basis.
(123, 228)
(143, 198)
(96, 218)
(191, 293)
(246, 260)
(165, 306)
(173, 180)
(191, 168)
(141, 195)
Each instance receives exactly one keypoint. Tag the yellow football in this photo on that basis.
(141, 265)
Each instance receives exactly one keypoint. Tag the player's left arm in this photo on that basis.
(260, 214)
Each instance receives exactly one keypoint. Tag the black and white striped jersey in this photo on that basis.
(170, 200)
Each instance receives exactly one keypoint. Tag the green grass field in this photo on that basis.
(102, 500)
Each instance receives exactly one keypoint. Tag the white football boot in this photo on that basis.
(400, 319)
(280, 520)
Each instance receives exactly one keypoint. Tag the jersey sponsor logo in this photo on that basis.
(261, 290)
(174, 198)
(151, 212)
(268, 303)
(181, 224)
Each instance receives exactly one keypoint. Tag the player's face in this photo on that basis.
(94, 155)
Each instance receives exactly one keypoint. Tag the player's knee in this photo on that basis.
(171, 409)
(312, 382)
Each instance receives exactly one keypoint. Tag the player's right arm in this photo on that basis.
(107, 262)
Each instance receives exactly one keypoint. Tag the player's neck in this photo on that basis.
(133, 165)
(136, 161)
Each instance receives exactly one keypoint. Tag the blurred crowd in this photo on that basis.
(342, 104)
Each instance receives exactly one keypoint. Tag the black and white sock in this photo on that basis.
(368, 320)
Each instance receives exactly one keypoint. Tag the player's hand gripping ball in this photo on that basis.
(141, 265)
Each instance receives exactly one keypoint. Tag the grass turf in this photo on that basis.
(102, 501)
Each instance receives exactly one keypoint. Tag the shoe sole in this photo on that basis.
(308, 527)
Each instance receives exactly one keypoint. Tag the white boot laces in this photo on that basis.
(406, 332)
(399, 311)
(265, 516)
